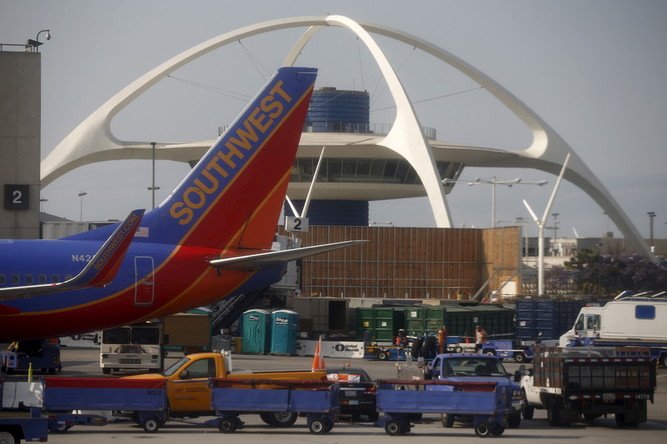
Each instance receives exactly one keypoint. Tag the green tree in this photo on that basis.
(607, 275)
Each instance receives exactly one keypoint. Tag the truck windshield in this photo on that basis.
(176, 366)
(471, 366)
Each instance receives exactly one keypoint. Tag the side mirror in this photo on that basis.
(184, 375)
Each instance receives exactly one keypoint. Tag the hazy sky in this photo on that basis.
(593, 70)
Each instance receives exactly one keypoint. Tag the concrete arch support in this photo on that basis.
(92, 141)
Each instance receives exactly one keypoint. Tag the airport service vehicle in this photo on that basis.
(39, 355)
(485, 402)
(575, 382)
(472, 368)
(316, 400)
(143, 346)
(131, 347)
(20, 414)
(189, 391)
(356, 392)
(508, 349)
(209, 239)
(385, 352)
(630, 321)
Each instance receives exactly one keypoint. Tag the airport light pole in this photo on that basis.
(153, 188)
(651, 216)
(493, 182)
(81, 194)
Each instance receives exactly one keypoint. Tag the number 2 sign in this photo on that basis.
(17, 197)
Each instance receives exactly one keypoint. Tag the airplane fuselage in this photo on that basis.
(154, 280)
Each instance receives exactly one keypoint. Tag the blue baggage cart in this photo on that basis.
(146, 398)
(402, 400)
(318, 400)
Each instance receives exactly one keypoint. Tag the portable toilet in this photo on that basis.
(284, 332)
(256, 331)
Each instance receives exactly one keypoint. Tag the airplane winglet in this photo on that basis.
(250, 261)
(98, 272)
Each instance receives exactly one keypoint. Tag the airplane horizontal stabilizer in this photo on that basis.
(256, 260)
(97, 273)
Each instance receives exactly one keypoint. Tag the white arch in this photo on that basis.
(92, 141)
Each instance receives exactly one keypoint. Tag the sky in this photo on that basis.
(593, 70)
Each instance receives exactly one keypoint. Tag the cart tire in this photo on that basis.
(483, 430)
(520, 357)
(393, 428)
(514, 420)
(329, 426)
(527, 411)
(458, 349)
(151, 425)
(59, 427)
(490, 352)
(382, 355)
(106, 370)
(238, 424)
(318, 426)
(227, 425)
(497, 429)
(8, 438)
(448, 421)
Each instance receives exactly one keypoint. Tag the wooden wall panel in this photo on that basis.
(414, 262)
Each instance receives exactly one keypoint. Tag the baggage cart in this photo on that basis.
(67, 399)
(317, 400)
(402, 400)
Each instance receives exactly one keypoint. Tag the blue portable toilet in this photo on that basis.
(256, 331)
(284, 332)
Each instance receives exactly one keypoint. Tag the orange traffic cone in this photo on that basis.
(318, 360)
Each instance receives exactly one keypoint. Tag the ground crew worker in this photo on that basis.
(480, 337)
(442, 340)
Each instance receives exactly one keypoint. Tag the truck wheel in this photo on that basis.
(554, 416)
(514, 420)
(57, 427)
(448, 421)
(106, 370)
(279, 419)
(7, 438)
(393, 427)
(490, 352)
(527, 411)
(483, 430)
(520, 357)
(151, 425)
(382, 356)
(622, 421)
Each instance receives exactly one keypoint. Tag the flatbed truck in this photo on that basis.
(589, 382)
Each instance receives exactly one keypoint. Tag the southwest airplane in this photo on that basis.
(209, 239)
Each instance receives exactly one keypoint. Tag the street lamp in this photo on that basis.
(493, 182)
(81, 194)
(36, 43)
(651, 216)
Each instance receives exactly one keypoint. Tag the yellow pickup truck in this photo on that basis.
(189, 392)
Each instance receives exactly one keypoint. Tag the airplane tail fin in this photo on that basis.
(233, 196)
